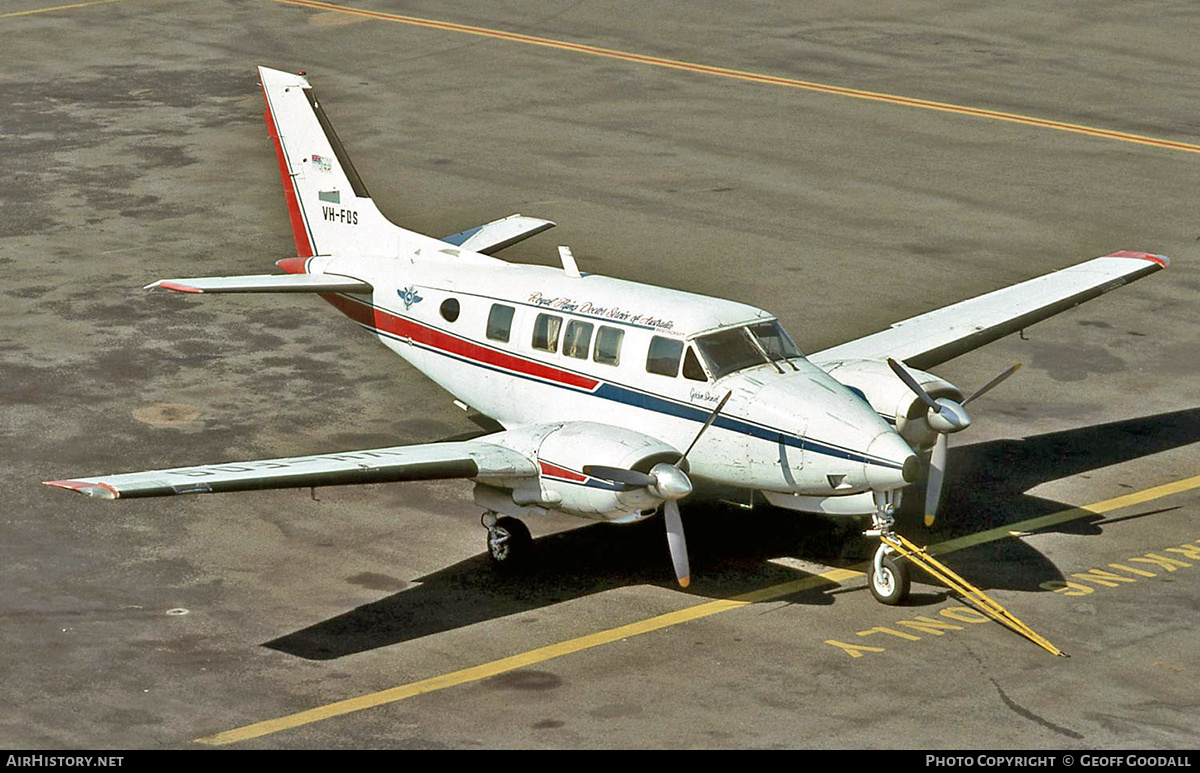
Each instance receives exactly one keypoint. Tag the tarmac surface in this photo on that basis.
(134, 150)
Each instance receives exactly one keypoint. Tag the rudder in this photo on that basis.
(328, 205)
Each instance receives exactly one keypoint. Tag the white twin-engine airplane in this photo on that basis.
(614, 395)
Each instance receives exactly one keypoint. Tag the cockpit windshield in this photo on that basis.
(727, 351)
(774, 340)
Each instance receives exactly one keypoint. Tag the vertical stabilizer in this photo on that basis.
(330, 209)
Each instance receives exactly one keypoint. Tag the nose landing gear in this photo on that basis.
(887, 576)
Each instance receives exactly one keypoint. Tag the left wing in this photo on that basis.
(933, 338)
(265, 283)
(433, 461)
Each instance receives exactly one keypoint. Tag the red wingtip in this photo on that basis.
(179, 288)
(100, 490)
(1161, 260)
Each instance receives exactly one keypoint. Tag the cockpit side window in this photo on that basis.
(691, 366)
(664, 355)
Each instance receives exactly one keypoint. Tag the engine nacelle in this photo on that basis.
(892, 399)
(562, 451)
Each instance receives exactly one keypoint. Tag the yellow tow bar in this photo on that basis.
(977, 598)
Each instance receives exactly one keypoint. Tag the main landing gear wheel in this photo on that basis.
(509, 542)
(889, 582)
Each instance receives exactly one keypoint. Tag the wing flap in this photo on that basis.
(933, 338)
(432, 461)
(265, 283)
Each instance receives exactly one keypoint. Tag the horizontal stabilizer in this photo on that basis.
(492, 237)
(266, 283)
(432, 461)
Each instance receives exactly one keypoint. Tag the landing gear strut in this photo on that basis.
(508, 541)
(887, 576)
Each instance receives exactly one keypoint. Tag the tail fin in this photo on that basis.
(329, 207)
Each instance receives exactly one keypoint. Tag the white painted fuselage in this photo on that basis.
(788, 429)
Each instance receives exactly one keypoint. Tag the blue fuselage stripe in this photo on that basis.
(629, 396)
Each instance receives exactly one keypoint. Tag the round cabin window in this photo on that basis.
(450, 309)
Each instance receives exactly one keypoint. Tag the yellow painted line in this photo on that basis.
(52, 9)
(724, 72)
(707, 609)
(1054, 519)
(526, 659)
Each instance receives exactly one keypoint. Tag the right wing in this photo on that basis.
(930, 339)
(474, 459)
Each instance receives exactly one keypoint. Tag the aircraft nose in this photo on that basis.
(893, 465)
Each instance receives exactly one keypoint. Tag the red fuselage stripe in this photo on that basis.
(383, 321)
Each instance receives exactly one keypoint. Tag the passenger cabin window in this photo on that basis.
(608, 345)
(450, 309)
(499, 324)
(577, 340)
(664, 355)
(545, 332)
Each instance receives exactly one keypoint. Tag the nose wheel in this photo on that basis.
(509, 543)
(887, 575)
(888, 578)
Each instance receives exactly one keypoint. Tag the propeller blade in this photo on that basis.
(992, 383)
(676, 542)
(711, 418)
(912, 384)
(618, 475)
(937, 471)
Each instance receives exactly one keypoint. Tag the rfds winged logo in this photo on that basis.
(410, 296)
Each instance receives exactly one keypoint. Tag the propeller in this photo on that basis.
(669, 483)
(945, 417)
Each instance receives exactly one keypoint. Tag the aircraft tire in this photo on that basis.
(891, 585)
(509, 544)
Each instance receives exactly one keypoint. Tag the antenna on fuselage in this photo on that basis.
(570, 268)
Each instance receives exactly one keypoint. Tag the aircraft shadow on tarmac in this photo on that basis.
(731, 548)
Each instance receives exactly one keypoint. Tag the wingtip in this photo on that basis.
(178, 287)
(1161, 260)
(95, 490)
